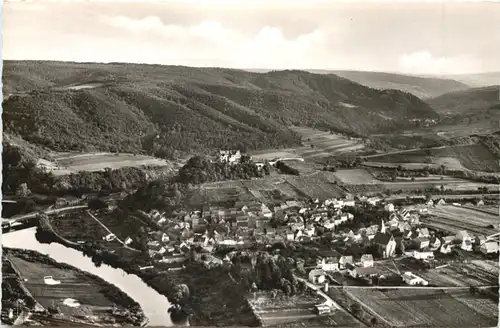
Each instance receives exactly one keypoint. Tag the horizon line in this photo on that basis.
(422, 75)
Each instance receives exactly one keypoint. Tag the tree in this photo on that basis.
(355, 309)
(96, 204)
(373, 321)
(23, 190)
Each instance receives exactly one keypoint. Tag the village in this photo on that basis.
(348, 245)
(360, 241)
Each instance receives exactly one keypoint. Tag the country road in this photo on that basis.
(48, 212)
(403, 151)
(321, 293)
(412, 287)
(110, 232)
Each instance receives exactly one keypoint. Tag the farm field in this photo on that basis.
(356, 176)
(414, 307)
(453, 219)
(472, 157)
(316, 186)
(67, 163)
(282, 310)
(460, 214)
(316, 144)
(365, 189)
(449, 184)
(408, 166)
(90, 292)
(472, 273)
(269, 189)
(212, 193)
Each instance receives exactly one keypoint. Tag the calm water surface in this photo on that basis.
(154, 305)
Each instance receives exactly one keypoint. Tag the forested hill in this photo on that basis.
(164, 110)
(469, 101)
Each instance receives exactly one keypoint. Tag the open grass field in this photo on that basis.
(77, 226)
(84, 289)
(66, 163)
(412, 308)
(472, 157)
(356, 176)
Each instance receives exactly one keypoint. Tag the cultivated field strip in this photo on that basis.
(73, 285)
(356, 176)
(405, 308)
(466, 215)
(454, 226)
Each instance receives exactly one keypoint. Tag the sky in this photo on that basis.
(412, 38)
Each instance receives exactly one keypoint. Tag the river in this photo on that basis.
(154, 305)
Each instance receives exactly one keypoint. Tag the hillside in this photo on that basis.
(419, 86)
(477, 80)
(167, 110)
(468, 101)
(422, 87)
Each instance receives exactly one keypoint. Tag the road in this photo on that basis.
(447, 196)
(403, 151)
(411, 287)
(321, 293)
(110, 232)
(47, 211)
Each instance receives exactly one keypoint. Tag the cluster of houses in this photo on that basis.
(246, 223)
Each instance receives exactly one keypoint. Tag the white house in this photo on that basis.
(420, 255)
(446, 248)
(367, 261)
(349, 203)
(373, 200)
(344, 260)
(466, 245)
(317, 276)
(329, 261)
(441, 202)
(489, 247)
(423, 232)
(412, 279)
(389, 207)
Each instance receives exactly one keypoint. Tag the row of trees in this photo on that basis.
(268, 272)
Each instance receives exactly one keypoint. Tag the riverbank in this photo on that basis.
(64, 292)
(214, 299)
(154, 305)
